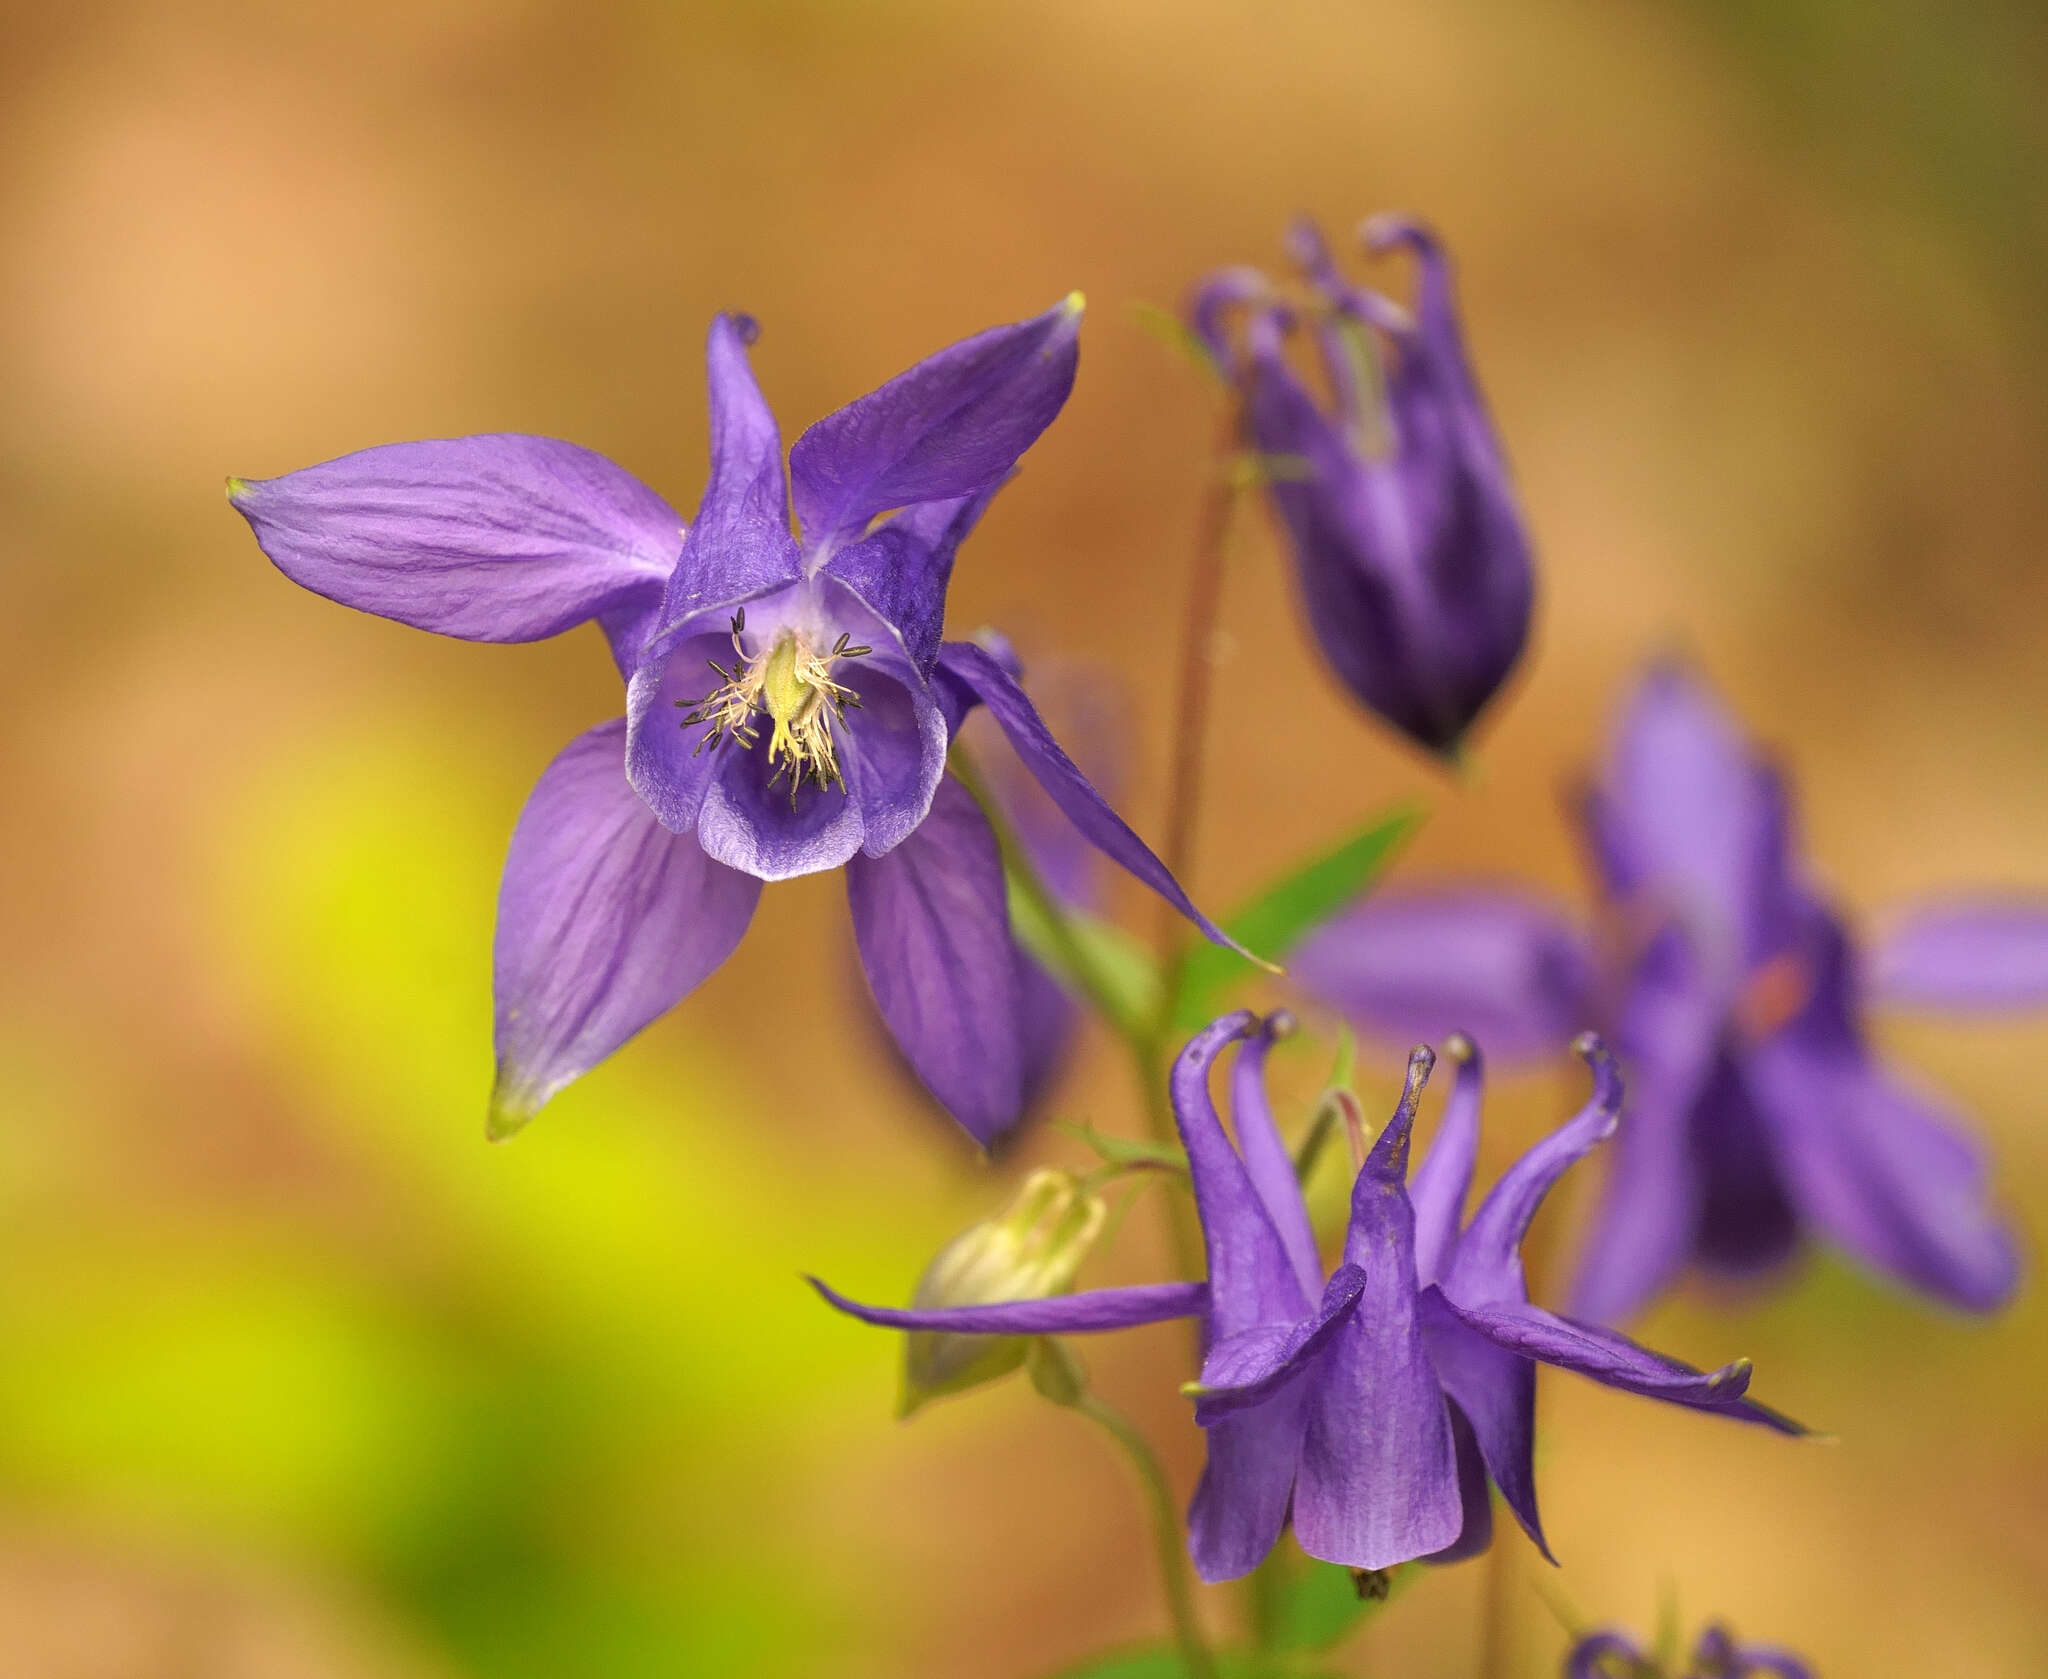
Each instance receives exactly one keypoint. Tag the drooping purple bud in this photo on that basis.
(1394, 494)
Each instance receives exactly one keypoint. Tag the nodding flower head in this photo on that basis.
(1410, 550)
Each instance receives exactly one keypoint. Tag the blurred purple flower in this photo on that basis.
(1376, 1405)
(1413, 561)
(1611, 1655)
(1759, 1113)
(789, 703)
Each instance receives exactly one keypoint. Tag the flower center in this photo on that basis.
(792, 682)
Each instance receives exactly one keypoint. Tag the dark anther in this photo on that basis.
(1371, 1584)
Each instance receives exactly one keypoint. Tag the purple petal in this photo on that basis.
(1089, 706)
(495, 538)
(933, 924)
(605, 921)
(1381, 1186)
(1615, 1361)
(749, 822)
(1063, 782)
(1266, 1160)
(1648, 1218)
(1692, 825)
(1252, 1282)
(893, 753)
(1212, 300)
(1241, 1503)
(1473, 1492)
(953, 425)
(1595, 1657)
(1244, 1369)
(1719, 1654)
(1438, 1188)
(1884, 1174)
(1379, 1472)
(739, 545)
(1501, 966)
(1064, 861)
(1987, 953)
(1486, 1262)
(663, 761)
(1060, 1314)
(1747, 1222)
(1496, 1390)
(902, 568)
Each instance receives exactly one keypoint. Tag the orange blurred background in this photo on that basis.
(301, 1379)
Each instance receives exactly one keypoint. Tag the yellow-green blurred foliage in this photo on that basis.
(299, 1378)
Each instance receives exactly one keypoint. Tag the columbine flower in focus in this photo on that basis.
(1758, 1113)
(1374, 1406)
(789, 702)
(1412, 558)
(1611, 1655)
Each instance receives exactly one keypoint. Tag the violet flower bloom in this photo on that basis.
(789, 703)
(1413, 561)
(1611, 1655)
(1372, 1407)
(1760, 1114)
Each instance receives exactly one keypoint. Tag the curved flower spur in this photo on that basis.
(1372, 1408)
(789, 702)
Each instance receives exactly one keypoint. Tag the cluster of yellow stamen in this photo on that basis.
(792, 682)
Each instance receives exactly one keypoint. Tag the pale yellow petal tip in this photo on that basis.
(507, 1118)
(1074, 302)
(237, 488)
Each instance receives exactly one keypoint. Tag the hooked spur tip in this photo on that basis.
(1732, 1379)
(1305, 245)
(1389, 228)
(1592, 1049)
(510, 1113)
(1280, 1024)
(744, 324)
(1461, 1049)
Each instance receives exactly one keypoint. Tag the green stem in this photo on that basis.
(1191, 697)
(1174, 1573)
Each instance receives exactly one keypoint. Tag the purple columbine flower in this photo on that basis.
(789, 702)
(1760, 1114)
(1373, 1405)
(1412, 556)
(1612, 1655)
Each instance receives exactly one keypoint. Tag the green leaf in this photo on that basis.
(1279, 918)
(1091, 958)
(1322, 1604)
